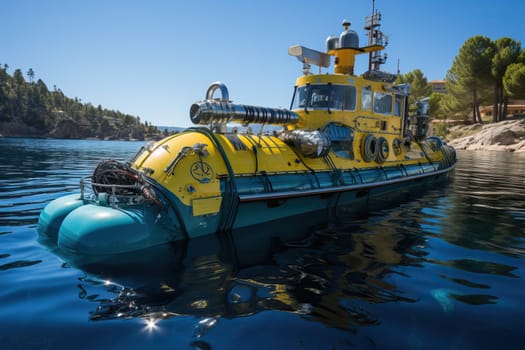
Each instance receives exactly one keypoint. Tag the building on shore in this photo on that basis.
(515, 107)
(438, 86)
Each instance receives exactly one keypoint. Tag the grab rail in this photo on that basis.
(111, 198)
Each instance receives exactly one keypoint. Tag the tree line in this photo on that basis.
(29, 108)
(484, 72)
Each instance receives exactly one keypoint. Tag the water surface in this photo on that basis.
(442, 270)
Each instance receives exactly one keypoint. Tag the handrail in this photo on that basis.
(113, 199)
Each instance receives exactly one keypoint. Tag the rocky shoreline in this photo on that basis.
(507, 135)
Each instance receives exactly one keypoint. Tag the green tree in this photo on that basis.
(31, 75)
(469, 76)
(514, 80)
(507, 52)
(17, 94)
(4, 102)
(436, 105)
(18, 78)
(419, 86)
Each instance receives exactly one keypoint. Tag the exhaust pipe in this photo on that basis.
(222, 110)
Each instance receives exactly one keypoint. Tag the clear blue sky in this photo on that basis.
(154, 58)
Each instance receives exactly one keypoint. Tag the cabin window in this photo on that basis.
(299, 98)
(382, 103)
(343, 97)
(320, 96)
(366, 97)
(399, 105)
(325, 96)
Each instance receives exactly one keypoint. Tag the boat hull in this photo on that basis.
(172, 191)
(347, 201)
(252, 204)
(97, 228)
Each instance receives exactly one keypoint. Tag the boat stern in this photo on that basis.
(119, 212)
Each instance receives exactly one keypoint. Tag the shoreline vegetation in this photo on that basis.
(30, 109)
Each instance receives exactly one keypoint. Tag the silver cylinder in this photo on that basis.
(349, 39)
(312, 144)
(210, 111)
(332, 43)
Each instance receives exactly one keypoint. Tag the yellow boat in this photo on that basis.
(347, 141)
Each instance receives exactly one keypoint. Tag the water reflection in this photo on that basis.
(431, 272)
(488, 206)
(328, 274)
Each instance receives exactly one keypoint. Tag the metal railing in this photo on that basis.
(110, 194)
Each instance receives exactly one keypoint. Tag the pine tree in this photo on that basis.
(514, 80)
(470, 74)
(507, 53)
(419, 86)
(4, 114)
(31, 75)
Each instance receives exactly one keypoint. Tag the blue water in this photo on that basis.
(443, 270)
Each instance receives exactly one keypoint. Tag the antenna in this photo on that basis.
(369, 27)
(375, 37)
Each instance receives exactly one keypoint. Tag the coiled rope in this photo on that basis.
(122, 180)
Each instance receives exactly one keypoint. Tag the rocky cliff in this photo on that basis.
(508, 135)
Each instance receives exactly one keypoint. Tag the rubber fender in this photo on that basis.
(382, 150)
(96, 230)
(369, 148)
(54, 212)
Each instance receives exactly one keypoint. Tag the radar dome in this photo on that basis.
(332, 43)
(349, 39)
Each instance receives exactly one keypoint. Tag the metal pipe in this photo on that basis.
(211, 111)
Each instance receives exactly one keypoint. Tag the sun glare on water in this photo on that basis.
(151, 325)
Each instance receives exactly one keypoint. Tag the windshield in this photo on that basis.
(324, 96)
